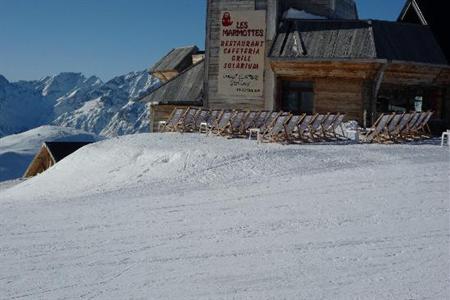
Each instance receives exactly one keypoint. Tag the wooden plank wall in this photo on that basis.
(339, 95)
(213, 99)
(41, 162)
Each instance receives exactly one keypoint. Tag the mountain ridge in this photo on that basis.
(71, 99)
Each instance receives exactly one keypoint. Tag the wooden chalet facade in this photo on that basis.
(334, 62)
(49, 154)
(312, 56)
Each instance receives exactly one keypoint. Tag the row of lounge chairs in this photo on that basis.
(269, 126)
(394, 128)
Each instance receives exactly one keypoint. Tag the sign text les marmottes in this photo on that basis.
(242, 53)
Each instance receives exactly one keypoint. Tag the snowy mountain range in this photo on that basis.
(73, 100)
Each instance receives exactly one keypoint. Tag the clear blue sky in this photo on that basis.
(109, 37)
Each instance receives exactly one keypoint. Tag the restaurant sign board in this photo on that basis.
(242, 53)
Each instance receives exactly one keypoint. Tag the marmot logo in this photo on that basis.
(226, 19)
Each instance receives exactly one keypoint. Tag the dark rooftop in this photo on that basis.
(347, 39)
(185, 88)
(177, 59)
(432, 13)
(60, 150)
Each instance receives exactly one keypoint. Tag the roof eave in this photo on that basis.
(358, 60)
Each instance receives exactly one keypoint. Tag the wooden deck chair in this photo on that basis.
(303, 127)
(327, 124)
(261, 119)
(424, 129)
(235, 126)
(174, 120)
(407, 131)
(332, 132)
(389, 133)
(276, 130)
(374, 133)
(202, 117)
(214, 116)
(397, 133)
(249, 122)
(187, 124)
(223, 122)
(315, 129)
(291, 126)
(270, 121)
(413, 131)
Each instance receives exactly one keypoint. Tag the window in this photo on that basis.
(297, 97)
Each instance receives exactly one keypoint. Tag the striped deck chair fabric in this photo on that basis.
(223, 122)
(374, 133)
(304, 125)
(291, 126)
(275, 132)
(413, 122)
(388, 133)
(332, 131)
(423, 129)
(269, 121)
(327, 124)
(261, 119)
(202, 117)
(188, 122)
(214, 116)
(236, 122)
(249, 121)
(316, 127)
(413, 129)
(397, 133)
(174, 119)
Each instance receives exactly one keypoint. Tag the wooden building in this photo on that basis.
(333, 62)
(312, 56)
(183, 88)
(358, 67)
(49, 154)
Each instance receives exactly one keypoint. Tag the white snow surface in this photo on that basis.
(18, 150)
(171, 216)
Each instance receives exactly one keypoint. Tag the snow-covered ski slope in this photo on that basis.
(170, 216)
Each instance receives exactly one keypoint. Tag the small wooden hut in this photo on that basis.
(51, 153)
(183, 88)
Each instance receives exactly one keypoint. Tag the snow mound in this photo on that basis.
(17, 151)
(171, 216)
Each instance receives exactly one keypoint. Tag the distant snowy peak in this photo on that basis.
(73, 100)
(64, 83)
(111, 109)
